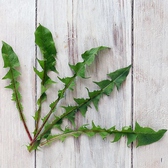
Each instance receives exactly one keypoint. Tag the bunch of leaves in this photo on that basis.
(43, 134)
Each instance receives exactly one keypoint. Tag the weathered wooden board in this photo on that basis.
(78, 26)
(17, 25)
(151, 78)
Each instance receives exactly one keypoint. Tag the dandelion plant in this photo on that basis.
(42, 134)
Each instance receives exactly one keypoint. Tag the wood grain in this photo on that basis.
(150, 78)
(17, 26)
(78, 26)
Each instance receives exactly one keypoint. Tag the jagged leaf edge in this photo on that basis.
(11, 61)
(132, 135)
(89, 100)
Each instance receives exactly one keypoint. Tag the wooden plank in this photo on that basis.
(150, 78)
(54, 15)
(17, 27)
(78, 26)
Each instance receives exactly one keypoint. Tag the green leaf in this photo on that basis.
(146, 135)
(76, 135)
(95, 97)
(11, 61)
(44, 40)
(89, 56)
(34, 146)
(68, 81)
(40, 74)
(143, 135)
(130, 134)
(82, 105)
(41, 63)
(61, 94)
(58, 124)
(70, 111)
(10, 58)
(12, 85)
(48, 132)
(95, 128)
(106, 85)
(79, 69)
(90, 133)
(52, 105)
(131, 138)
(104, 134)
(12, 74)
(119, 76)
(42, 98)
(117, 137)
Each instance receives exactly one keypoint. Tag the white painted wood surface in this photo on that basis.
(78, 26)
(16, 28)
(151, 78)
